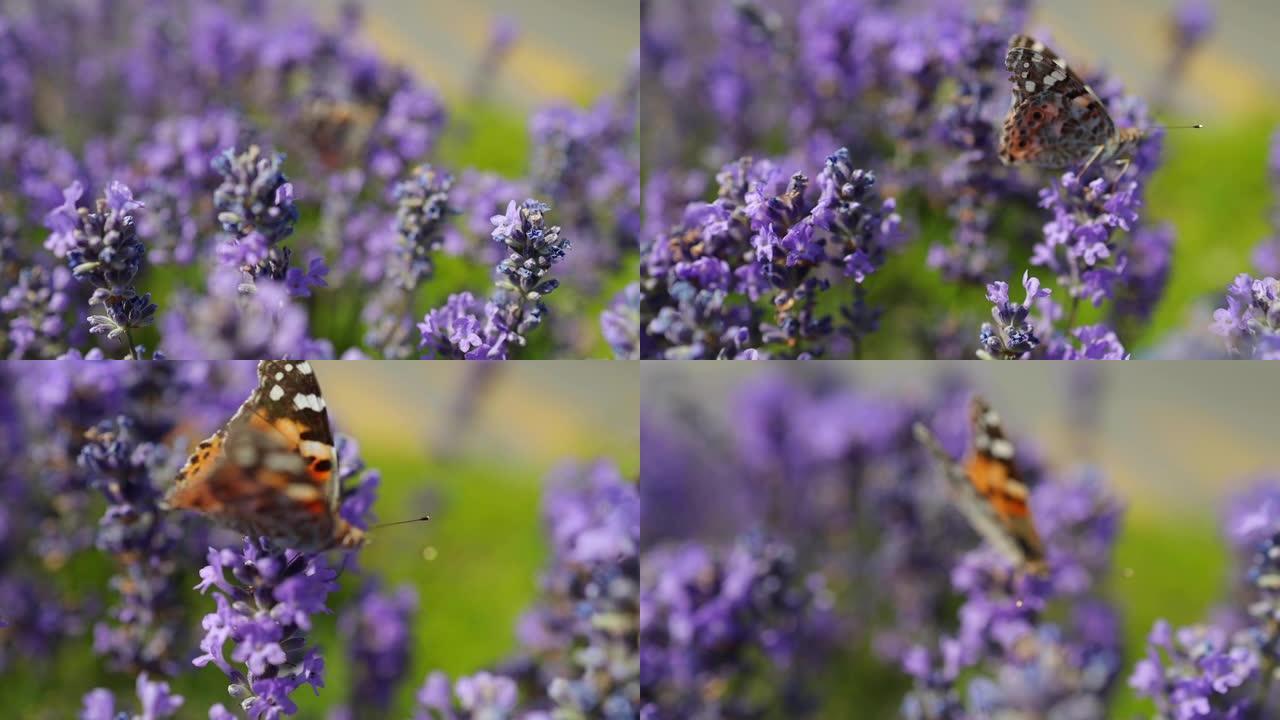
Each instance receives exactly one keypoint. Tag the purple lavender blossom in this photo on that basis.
(376, 630)
(1250, 323)
(534, 248)
(146, 625)
(224, 323)
(483, 696)
(199, 88)
(101, 247)
(467, 328)
(265, 611)
(155, 700)
(765, 236)
(1220, 669)
(620, 323)
(255, 205)
(583, 630)
(1016, 661)
(707, 615)
(422, 212)
(35, 305)
(1012, 336)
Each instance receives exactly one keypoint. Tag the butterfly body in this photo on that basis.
(271, 471)
(1056, 120)
(988, 488)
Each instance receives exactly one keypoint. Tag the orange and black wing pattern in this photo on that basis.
(272, 470)
(988, 490)
(994, 474)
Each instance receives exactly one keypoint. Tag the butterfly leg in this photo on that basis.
(1124, 164)
(1097, 152)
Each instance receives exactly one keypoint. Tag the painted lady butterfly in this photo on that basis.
(271, 471)
(1056, 120)
(988, 488)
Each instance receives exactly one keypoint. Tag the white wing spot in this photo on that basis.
(1002, 449)
(288, 368)
(1031, 86)
(276, 393)
(304, 368)
(279, 377)
(308, 402)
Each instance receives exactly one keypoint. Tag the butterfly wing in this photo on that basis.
(987, 488)
(1055, 119)
(271, 471)
(994, 474)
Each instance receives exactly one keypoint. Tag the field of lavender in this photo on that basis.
(518, 596)
(822, 179)
(242, 180)
(809, 560)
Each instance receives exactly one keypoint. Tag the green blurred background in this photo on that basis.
(1172, 440)
(468, 443)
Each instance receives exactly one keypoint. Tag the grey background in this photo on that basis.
(1172, 437)
(569, 49)
(1237, 71)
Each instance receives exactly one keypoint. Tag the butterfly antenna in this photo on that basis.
(424, 518)
(1197, 126)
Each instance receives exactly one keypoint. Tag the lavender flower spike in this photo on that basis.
(255, 205)
(1250, 323)
(265, 610)
(102, 248)
(534, 248)
(157, 702)
(1012, 336)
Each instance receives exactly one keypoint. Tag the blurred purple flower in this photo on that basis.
(1250, 323)
(155, 699)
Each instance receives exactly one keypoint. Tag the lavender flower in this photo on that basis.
(134, 529)
(209, 100)
(35, 305)
(421, 219)
(620, 323)
(1012, 336)
(376, 630)
(422, 212)
(534, 248)
(1017, 662)
(765, 237)
(1250, 323)
(707, 616)
(467, 328)
(227, 324)
(482, 696)
(1192, 21)
(591, 593)
(102, 248)
(265, 611)
(155, 699)
(255, 205)
(1222, 669)
(255, 195)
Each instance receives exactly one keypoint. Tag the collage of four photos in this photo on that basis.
(234, 232)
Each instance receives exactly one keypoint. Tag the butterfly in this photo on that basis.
(988, 489)
(335, 129)
(1056, 120)
(271, 471)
